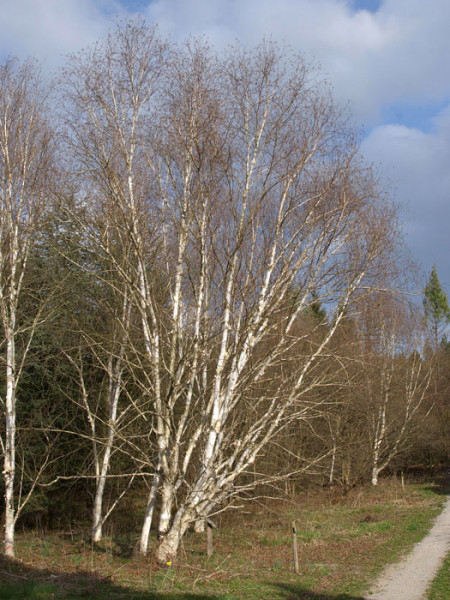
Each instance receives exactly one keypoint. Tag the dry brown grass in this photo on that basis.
(343, 541)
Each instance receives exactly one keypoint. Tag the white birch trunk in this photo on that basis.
(148, 517)
(333, 463)
(10, 447)
(165, 516)
(375, 472)
(97, 513)
(377, 444)
(97, 520)
(170, 543)
(199, 526)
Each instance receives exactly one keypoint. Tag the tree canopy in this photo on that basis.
(190, 248)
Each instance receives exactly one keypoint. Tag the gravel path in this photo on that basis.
(409, 579)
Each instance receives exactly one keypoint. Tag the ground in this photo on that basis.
(344, 540)
(411, 577)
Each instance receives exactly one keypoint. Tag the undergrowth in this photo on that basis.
(343, 543)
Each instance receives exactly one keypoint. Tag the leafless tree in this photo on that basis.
(239, 188)
(108, 94)
(26, 169)
(396, 377)
(105, 415)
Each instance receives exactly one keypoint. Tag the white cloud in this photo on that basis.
(371, 58)
(50, 29)
(397, 54)
(341, 40)
(417, 166)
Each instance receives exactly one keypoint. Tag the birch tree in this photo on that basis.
(108, 419)
(239, 187)
(109, 100)
(287, 216)
(26, 170)
(396, 377)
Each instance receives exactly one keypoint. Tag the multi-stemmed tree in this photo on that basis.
(234, 200)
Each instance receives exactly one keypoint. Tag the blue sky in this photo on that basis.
(370, 5)
(386, 59)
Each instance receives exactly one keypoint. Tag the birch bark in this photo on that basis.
(25, 177)
(396, 379)
(238, 188)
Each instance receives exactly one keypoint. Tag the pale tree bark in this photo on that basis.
(116, 417)
(105, 434)
(148, 517)
(25, 179)
(255, 286)
(397, 377)
(333, 456)
(241, 194)
(110, 101)
(115, 368)
(10, 447)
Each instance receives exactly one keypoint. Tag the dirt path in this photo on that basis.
(409, 579)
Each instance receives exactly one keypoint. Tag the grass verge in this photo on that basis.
(343, 543)
(440, 588)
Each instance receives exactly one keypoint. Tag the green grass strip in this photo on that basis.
(440, 588)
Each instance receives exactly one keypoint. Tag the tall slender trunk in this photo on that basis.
(375, 473)
(333, 463)
(148, 518)
(376, 459)
(380, 433)
(97, 521)
(115, 368)
(10, 445)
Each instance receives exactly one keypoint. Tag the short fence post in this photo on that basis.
(210, 525)
(294, 546)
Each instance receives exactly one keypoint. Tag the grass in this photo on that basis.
(27, 589)
(440, 588)
(343, 543)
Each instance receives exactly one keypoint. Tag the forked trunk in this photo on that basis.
(199, 526)
(168, 547)
(113, 399)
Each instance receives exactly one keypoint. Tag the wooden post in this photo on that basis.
(210, 525)
(209, 541)
(294, 546)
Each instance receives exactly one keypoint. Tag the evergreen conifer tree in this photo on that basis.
(435, 305)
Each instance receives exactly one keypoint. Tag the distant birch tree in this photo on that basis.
(236, 183)
(26, 170)
(396, 378)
